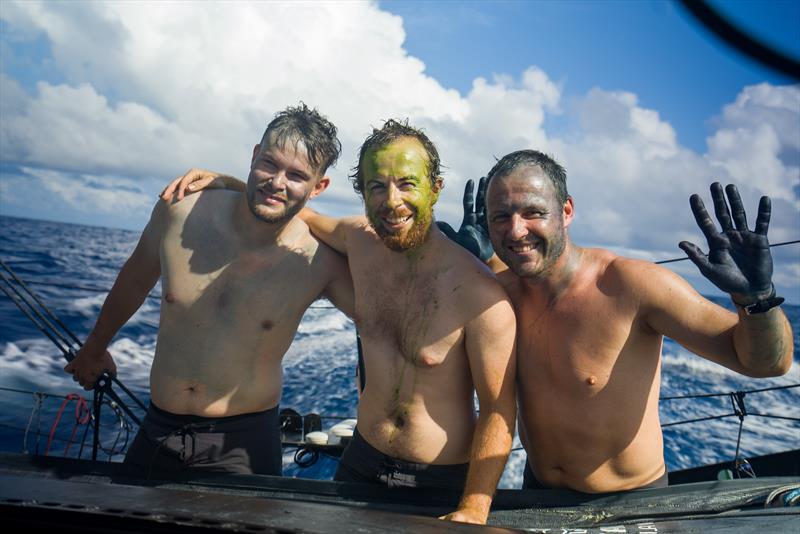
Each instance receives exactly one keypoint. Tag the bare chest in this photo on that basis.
(226, 282)
(408, 314)
(578, 344)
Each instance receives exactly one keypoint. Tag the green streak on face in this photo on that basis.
(397, 188)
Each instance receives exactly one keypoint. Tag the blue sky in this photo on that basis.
(654, 49)
(103, 102)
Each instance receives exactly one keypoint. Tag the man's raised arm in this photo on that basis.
(492, 361)
(134, 281)
(473, 234)
(758, 342)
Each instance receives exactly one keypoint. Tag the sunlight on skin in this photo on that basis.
(398, 194)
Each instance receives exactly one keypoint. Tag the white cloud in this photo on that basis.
(152, 89)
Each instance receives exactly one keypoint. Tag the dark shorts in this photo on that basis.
(361, 462)
(529, 480)
(168, 444)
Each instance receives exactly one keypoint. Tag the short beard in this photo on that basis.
(288, 213)
(555, 248)
(414, 238)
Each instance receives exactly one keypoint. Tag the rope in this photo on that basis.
(35, 409)
(687, 257)
(81, 418)
(56, 336)
(706, 395)
(739, 408)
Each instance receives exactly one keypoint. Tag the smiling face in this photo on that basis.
(281, 180)
(398, 194)
(527, 223)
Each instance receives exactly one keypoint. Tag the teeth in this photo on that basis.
(397, 220)
(527, 247)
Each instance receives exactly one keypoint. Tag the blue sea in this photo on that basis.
(71, 267)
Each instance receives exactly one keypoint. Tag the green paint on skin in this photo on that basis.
(415, 323)
(397, 181)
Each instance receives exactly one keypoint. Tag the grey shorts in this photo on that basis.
(361, 462)
(169, 444)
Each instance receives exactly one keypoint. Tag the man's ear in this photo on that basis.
(256, 150)
(438, 185)
(321, 186)
(569, 211)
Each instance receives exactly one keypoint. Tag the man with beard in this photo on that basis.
(435, 326)
(591, 324)
(238, 270)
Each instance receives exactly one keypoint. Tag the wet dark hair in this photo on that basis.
(317, 133)
(554, 172)
(391, 131)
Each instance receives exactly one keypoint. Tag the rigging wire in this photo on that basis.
(36, 413)
(684, 258)
(67, 348)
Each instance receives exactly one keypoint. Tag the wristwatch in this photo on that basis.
(762, 305)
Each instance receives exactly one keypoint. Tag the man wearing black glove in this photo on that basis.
(590, 324)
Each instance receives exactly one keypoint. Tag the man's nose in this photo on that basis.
(393, 199)
(278, 182)
(518, 228)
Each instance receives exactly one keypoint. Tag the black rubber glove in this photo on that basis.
(739, 261)
(473, 234)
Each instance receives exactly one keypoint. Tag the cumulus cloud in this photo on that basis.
(177, 84)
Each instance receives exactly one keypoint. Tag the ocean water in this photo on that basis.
(71, 268)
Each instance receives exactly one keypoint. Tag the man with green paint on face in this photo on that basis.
(435, 327)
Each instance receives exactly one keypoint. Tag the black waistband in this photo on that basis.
(370, 456)
(229, 423)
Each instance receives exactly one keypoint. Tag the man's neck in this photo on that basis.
(254, 231)
(424, 249)
(550, 285)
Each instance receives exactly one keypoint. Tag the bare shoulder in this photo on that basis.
(357, 225)
(477, 286)
(652, 284)
(203, 203)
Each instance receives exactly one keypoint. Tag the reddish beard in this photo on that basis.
(412, 238)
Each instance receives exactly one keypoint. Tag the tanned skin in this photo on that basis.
(435, 326)
(237, 272)
(590, 326)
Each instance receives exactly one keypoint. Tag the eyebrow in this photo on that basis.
(508, 207)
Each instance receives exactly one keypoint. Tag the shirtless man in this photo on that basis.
(590, 325)
(435, 326)
(238, 271)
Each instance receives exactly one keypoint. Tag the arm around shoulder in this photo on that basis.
(333, 231)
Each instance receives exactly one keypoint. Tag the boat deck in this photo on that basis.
(86, 496)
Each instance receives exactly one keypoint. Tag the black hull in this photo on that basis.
(85, 496)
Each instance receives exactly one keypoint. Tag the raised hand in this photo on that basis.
(194, 180)
(473, 234)
(739, 260)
